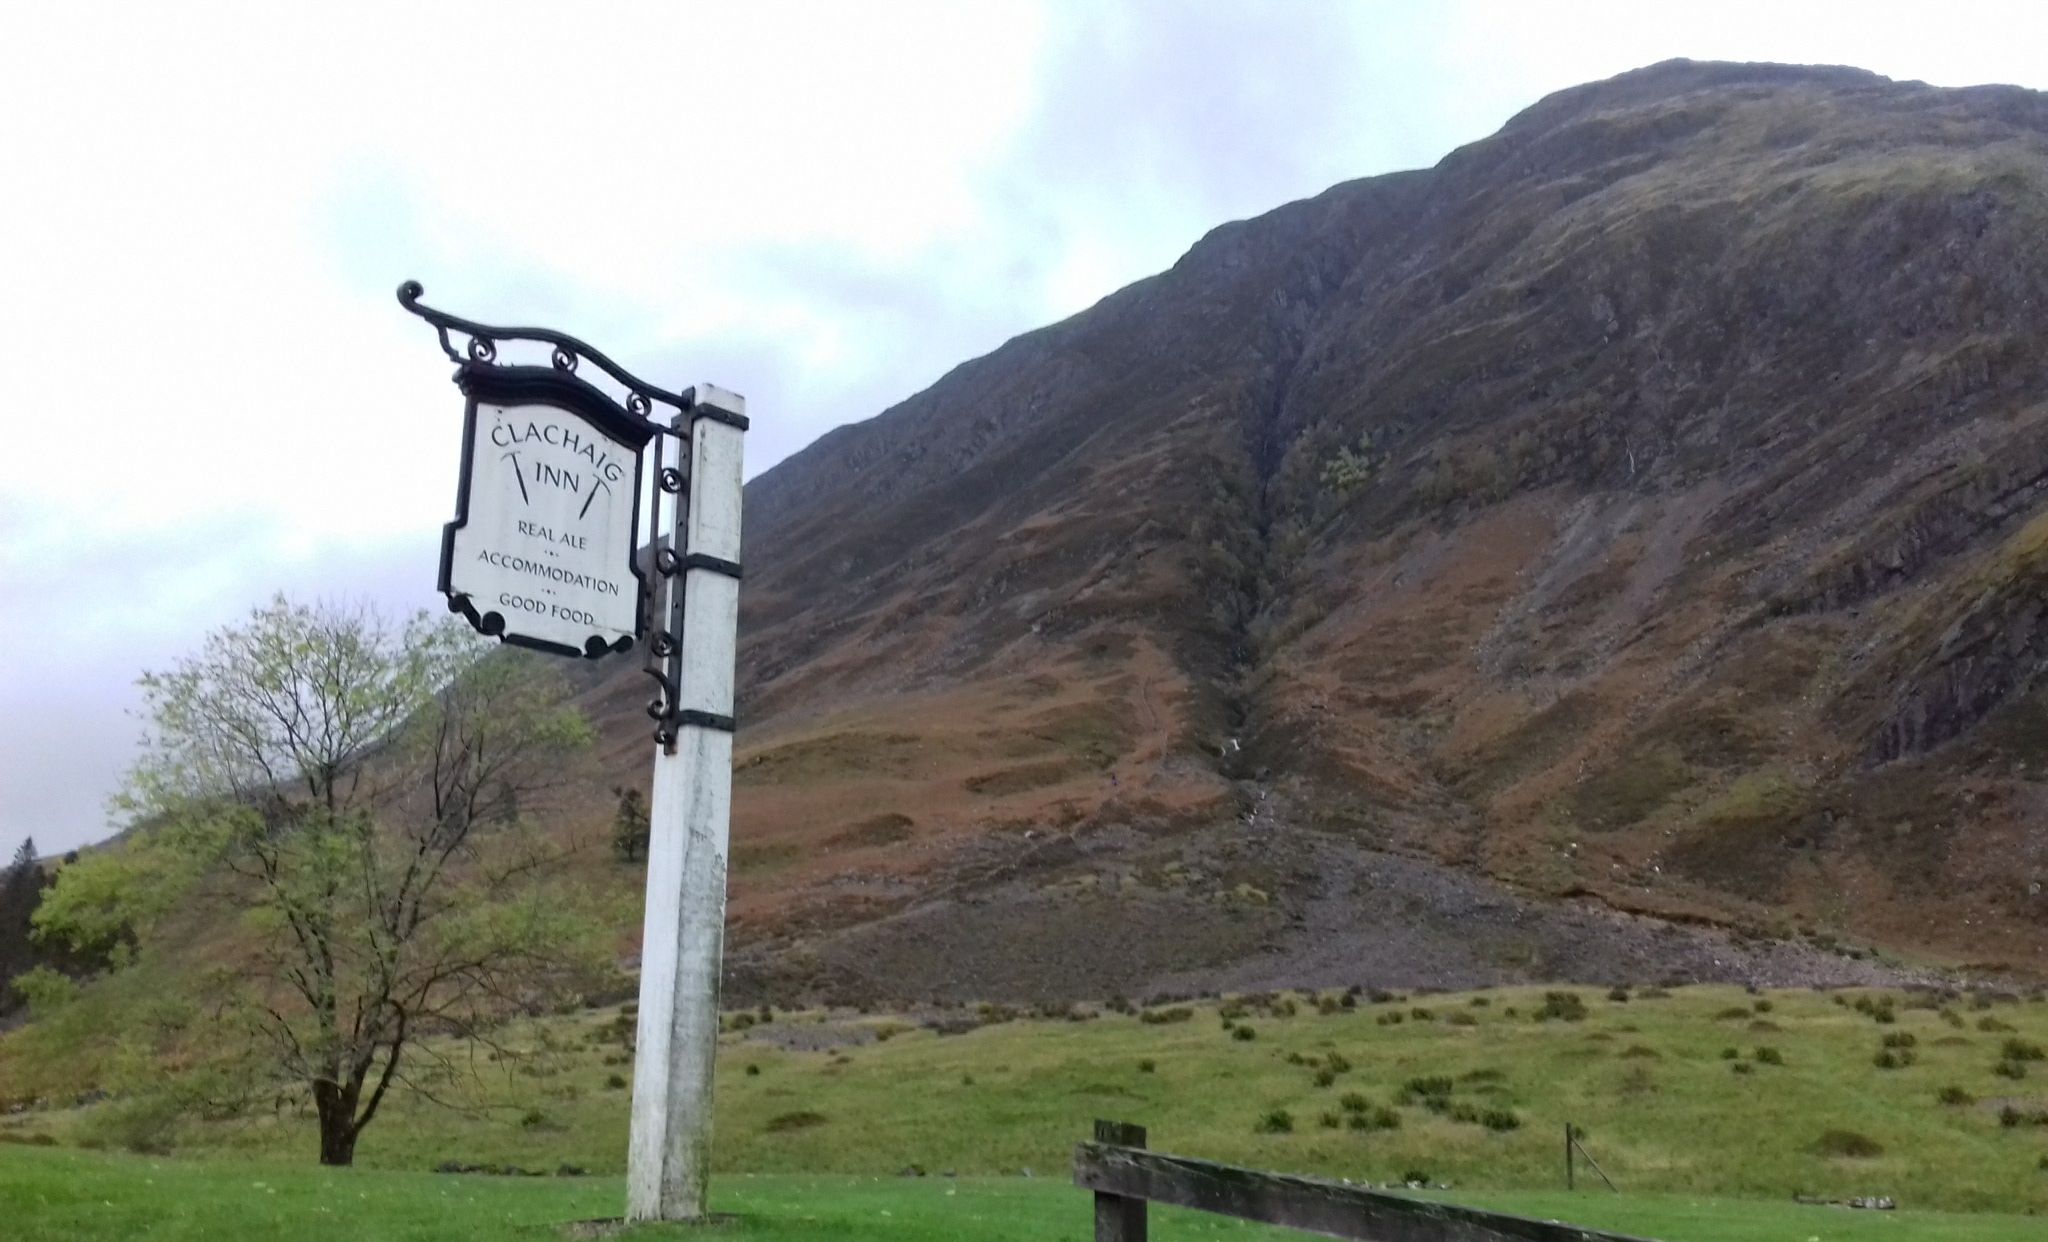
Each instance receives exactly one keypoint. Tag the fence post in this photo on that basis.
(1567, 1155)
(1117, 1218)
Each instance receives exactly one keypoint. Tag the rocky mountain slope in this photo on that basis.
(1643, 508)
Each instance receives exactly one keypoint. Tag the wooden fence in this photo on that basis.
(1125, 1177)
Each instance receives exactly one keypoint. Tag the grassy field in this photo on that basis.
(48, 1195)
(1802, 1107)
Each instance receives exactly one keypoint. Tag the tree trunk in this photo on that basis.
(336, 1109)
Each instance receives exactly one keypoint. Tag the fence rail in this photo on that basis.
(1125, 1176)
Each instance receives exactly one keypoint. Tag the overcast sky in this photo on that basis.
(213, 396)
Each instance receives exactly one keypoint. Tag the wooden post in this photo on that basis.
(1567, 1155)
(682, 943)
(1118, 1218)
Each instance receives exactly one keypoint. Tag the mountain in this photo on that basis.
(1640, 513)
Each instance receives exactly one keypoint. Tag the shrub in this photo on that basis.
(1848, 1143)
(534, 1119)
(1768, 1055)
(1563, 1006)
(1422, 1015)
(1641, 1050)
(1161, 1017)
(1899, 1039)
(1731, 1054)
(1892, 1058)
(1951, 1017)
(1460, 1017)
(1378, 997)
(1955, 1097)
(1338, 1063)
(1147, 1065)
(1762, 1006)
(1618, 995)
(1482, 1074)
(1741, 1067)
(803, 1119)
(1278, 1121)
(1737, 1013)
(1479, 1002)
(1652, 994)
(1993, 1026)
(1329, 1121)
(1433, 1092)
(1500, 1120)
(753, 1071)
(1390, 1019)
(1324, 1077)
(2010, 1069)
(1353, 1102)
(2023, 1050)
(1380, 1118)
(1243, 1034)
(615, 1082)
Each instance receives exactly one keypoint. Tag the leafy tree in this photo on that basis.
(343, 786)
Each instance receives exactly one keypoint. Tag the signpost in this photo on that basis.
(544, 552)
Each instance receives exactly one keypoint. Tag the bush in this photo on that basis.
(2022, 1050)
(1848, 1143)
(1618, 995)
(1993, 1026)
(615, 1082)
(1161, 1017)
(1380, 1118)
(1390, 1019)
(1892, 1058)
(1641, 1050)
(1736, 1014)
(1563, 1006)
(1338, 1063)
(1741, 1067)
(1329, 1121)
(1762, 1006)
(1500, 1120)
(1955, 1097)
(753, 1071)
(1325, 1077)
(1731, 1054)
(1899, 1039)
(1459, 1017)
(144, 1124)
(1768, 1055)
(1433, 1092)
(1243, 1034)
(2010, 1069)
(1147, 1065)
(1353, 1102)
(1278, 1121)
(1422, 1015)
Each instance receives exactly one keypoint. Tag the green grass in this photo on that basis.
(47, 1195)
(1664, 1112)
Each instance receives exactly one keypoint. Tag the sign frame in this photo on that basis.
(485, 383)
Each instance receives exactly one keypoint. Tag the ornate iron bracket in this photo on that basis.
(566, 351)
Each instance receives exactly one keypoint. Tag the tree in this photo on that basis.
(342, 786)
(22, 872)
(630, 829)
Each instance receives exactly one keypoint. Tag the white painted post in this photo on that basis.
(682, 943)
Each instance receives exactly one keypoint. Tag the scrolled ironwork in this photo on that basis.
(562, 359)
(671, 480)
(482, 335)
(668, 563)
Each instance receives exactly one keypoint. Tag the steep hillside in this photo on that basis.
(1643, 507)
